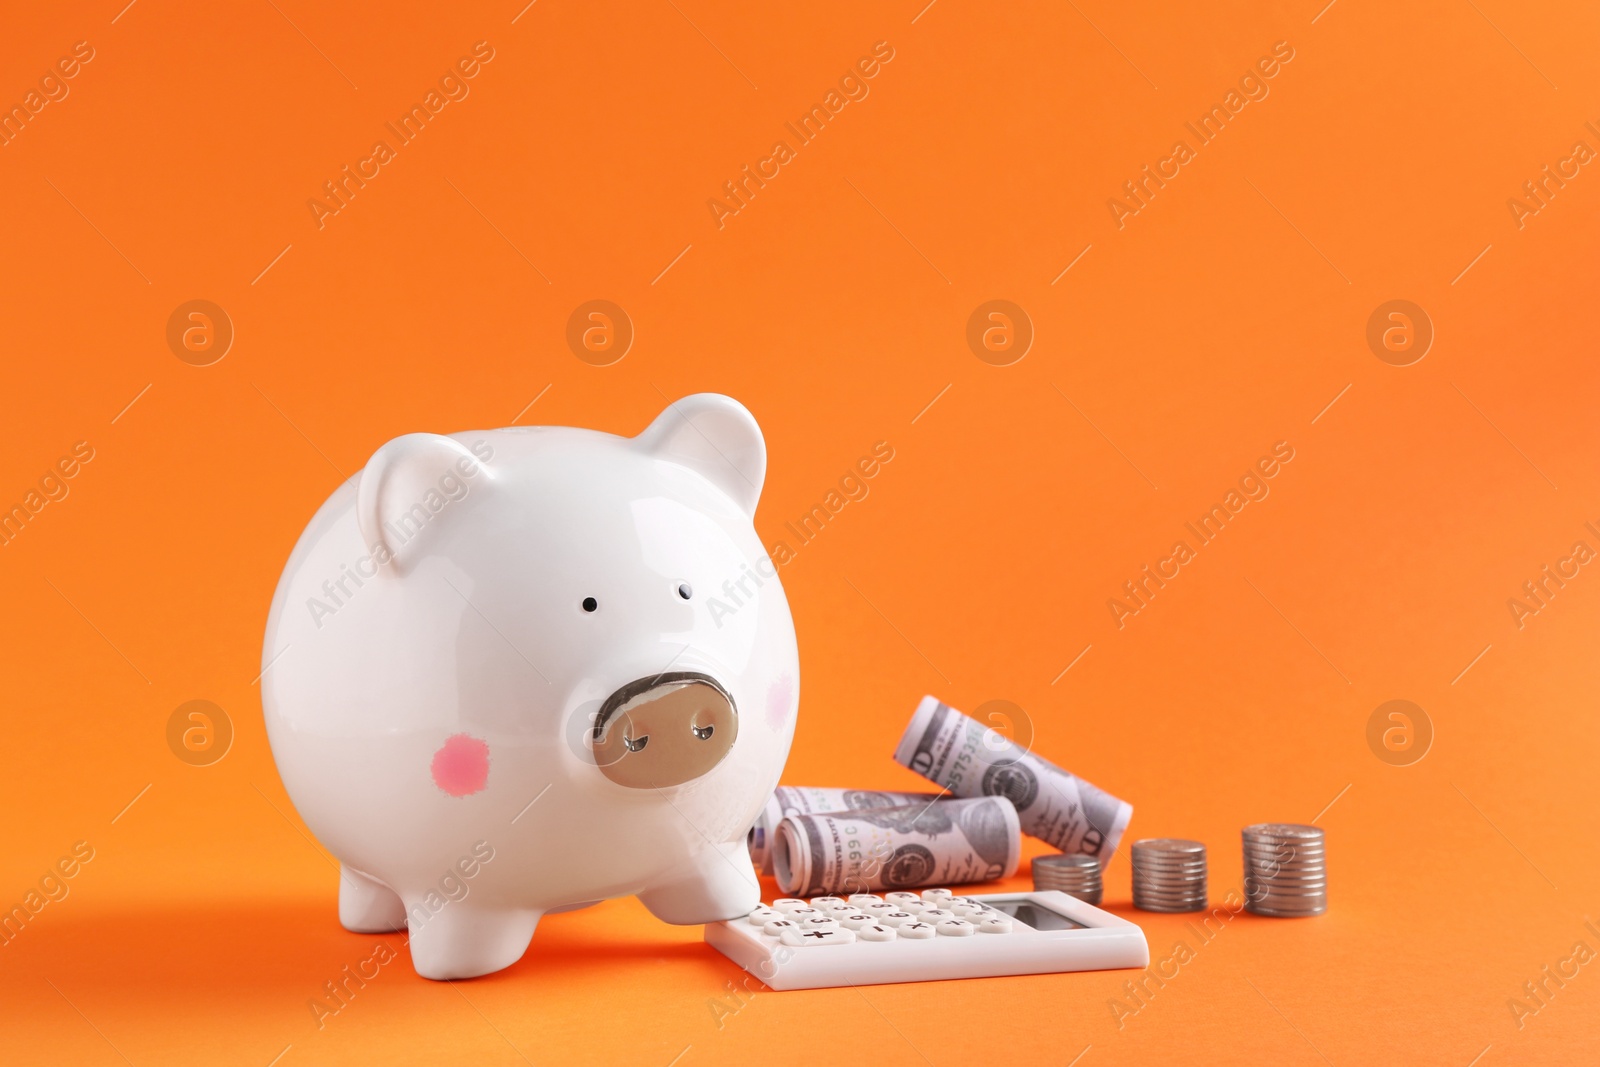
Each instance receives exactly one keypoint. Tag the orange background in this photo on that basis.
(1224, 317)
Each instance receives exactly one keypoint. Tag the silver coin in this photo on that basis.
(1169, 898)
(1280, 865)
(1283, 829)
(1186, 893)
(1174, 909)
(1289, 903)
(1145, 864)
(1087, 896)
(1259, 891)
(1285, 851)
(1299, 858)
(1319, 885)
(1299, 844)
(1068, 859)
(1160, 863)
(1146, 901)
(1274, 865)
(1286, 877)
(1145, 874)
(1280, 913)
(1287, 855)
(1284, 855)
(1169, 845)
(1079, 877)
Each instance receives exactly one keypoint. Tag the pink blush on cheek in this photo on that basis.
(780, 702)
(461, 766)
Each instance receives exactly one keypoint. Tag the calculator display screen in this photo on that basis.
(1037, 916)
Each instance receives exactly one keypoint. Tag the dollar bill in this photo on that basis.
(808, 800)
(937, 842)
(970, 760)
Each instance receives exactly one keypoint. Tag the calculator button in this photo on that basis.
(802, 913)
(895, 918)
(967, 911)
(843, 907)
(900, 898)
(880, 908)
(789, 903)
(854, 920)
(915, 907)
(778, 926)
(821, 923)
(763, 915)
(995, 926)
(821, 903)
(937, 894)
(797, 938)
(916, 931)
(936, 915)
(864, 898)
(875, 932)
(957, 928)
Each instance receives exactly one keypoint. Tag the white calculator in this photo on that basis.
(867, 938)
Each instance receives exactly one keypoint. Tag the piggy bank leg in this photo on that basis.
(718, 884)
(367, 906)
(465, 941)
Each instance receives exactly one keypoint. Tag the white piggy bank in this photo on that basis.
(497, 684)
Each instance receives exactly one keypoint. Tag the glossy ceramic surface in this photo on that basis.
(516, 671)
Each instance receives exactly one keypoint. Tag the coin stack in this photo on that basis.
(1072, 873)
(1169, 874)
(1285, 870)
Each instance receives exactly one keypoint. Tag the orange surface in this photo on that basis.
(1227, 314)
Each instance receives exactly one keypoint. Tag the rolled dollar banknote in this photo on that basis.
(937, 842)
(970, 760)
(809, 800)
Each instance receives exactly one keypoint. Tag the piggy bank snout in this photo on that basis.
(664, 730)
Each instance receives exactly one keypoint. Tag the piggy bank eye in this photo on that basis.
(590, 604)
(684, 591)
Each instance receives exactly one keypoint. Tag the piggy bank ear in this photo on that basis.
(406, 486)
(716, 436)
